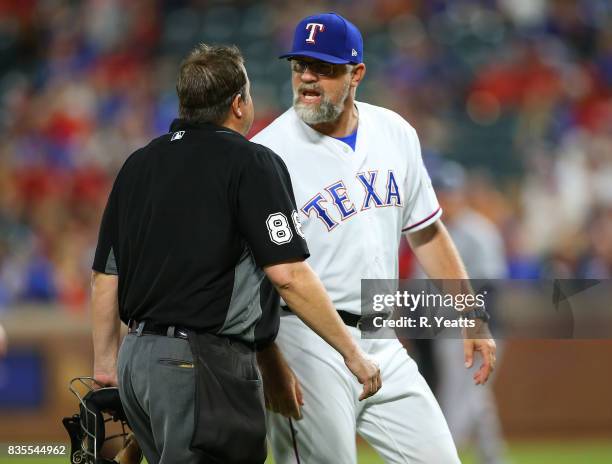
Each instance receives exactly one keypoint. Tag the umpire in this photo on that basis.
(195, 221)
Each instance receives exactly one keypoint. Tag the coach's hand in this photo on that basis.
(479, 340)
(367, 372)
(282, 390)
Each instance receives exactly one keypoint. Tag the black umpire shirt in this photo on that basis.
(191, 220)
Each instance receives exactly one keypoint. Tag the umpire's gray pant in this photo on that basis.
(157, 388)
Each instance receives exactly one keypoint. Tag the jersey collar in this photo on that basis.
(181, 124)
(318, 138)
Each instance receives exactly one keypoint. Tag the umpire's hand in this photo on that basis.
(281, 387)
(367, 372)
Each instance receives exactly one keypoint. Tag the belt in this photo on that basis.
(150, 328)
(363, 323)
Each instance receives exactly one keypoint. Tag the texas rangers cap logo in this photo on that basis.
(327, 37)
(313, 28)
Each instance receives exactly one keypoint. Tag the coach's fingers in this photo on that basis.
(468, 352)
(371, 386)
(488, 363)
(377, 383)
(367, 390)
(366, 370)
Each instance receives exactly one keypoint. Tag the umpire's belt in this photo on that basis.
(363, 323)
(150, 328)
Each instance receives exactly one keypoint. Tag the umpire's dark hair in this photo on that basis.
(209, 79)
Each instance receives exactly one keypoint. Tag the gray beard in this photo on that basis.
(325, 112)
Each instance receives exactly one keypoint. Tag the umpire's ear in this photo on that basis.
(237, 105)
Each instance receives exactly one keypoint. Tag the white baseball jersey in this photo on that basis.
(353, 208)
(355, 205)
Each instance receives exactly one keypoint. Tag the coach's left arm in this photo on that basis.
(106, 327)
(440, 259)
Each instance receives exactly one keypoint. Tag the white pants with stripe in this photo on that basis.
(403, 421)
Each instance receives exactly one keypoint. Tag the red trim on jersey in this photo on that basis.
(424, 220)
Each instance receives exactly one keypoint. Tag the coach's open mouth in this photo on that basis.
(310, 96)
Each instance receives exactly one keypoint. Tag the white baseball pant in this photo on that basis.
(403, 421)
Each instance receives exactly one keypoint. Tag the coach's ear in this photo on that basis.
(358, 73)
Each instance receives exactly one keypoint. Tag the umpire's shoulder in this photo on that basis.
(130, 165)
(265, 157)
(140, 156)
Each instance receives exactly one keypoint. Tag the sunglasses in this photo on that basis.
(320, 68)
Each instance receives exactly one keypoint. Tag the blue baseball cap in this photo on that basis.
(327, 37)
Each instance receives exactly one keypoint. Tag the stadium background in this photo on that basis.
(517, 91)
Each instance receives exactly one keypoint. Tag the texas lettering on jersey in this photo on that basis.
(338, 195)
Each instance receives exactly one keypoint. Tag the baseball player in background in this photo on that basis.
(470, 411)
(360, 185)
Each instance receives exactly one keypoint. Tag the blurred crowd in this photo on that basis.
(519, 92)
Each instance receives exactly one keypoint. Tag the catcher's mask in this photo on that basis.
(88, 429)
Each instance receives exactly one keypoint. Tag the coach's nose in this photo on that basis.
(309, 76)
